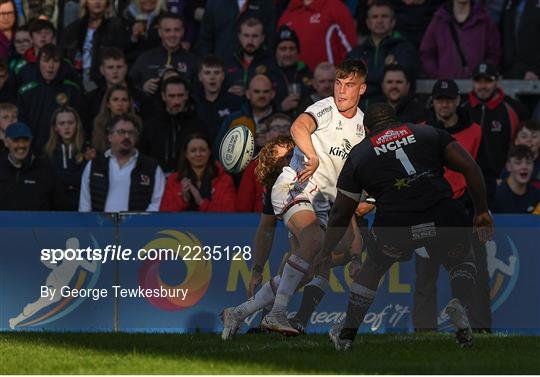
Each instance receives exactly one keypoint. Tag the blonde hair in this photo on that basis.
(109, 12)
(99, 132)
(78, 138)
(270, 165)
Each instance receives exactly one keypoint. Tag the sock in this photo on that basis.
(263, 297)
(360, 299)
(462, 280)
(314, 292)
(292, 274)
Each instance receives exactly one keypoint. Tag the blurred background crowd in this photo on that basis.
(121, 105)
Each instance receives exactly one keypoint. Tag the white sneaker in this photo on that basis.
(339, 344)
(231, 324)
(458, 317)
(277, 321)
(13, 323)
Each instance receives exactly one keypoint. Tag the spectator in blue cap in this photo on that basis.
(29, 183)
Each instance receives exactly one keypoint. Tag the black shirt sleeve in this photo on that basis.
(349, 182)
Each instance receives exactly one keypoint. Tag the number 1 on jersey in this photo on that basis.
(404, 159)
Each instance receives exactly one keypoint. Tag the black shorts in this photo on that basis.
(444, 230)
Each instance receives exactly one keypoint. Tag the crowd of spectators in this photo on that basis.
(116, 105)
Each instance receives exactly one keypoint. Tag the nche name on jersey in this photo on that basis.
(392, 139)
(393, 145)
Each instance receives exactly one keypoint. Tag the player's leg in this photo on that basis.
(361, 296)
(481, 308)
(234, 316)
(462, 280)
(315, 290)
(424, 313)
(304, 225)
(453, 242)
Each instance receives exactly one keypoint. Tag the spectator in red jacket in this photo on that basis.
(488, 106)
(325, 28)
(200, 184)
(251, 191)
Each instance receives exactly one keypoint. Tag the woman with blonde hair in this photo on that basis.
(116, 101)
(65, 149)
(97, 28)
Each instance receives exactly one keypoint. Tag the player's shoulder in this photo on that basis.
(322, 110)
(360, 152)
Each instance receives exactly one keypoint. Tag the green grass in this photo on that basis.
(105, 353)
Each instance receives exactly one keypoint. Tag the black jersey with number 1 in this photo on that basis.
(401, 166)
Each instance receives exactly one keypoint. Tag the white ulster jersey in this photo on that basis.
(333, 139)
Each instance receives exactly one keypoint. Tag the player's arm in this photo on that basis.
(264, 237)
(458, 159)
(301, 131)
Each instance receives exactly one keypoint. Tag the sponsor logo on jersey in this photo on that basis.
(339, 126)
(401, 183)
(315, 19)
(392, 139)
(341, 151)
(145, 180)
(496, 126)
(223, 113)
(324, 111)
(359, 129)
(182, 67)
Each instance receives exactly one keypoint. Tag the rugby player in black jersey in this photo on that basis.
(401, 166)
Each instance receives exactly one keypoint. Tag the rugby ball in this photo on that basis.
(236, 149)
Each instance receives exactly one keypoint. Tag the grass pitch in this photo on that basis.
(105, 353)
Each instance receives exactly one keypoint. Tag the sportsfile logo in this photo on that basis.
(392, 139)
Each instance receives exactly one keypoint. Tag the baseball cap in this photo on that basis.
(445, 88)
(486, 70)
(18, 130)
(285, 33)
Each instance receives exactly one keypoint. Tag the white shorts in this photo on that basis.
(290, 197)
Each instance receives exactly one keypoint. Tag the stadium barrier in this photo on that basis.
(33, 244)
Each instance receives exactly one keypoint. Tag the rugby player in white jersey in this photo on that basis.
(302, 195)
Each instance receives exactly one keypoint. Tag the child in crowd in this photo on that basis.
(8, 114)
(65, 149)
(529, 135)
(516, 194)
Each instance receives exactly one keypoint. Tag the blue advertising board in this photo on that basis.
(211, 270)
